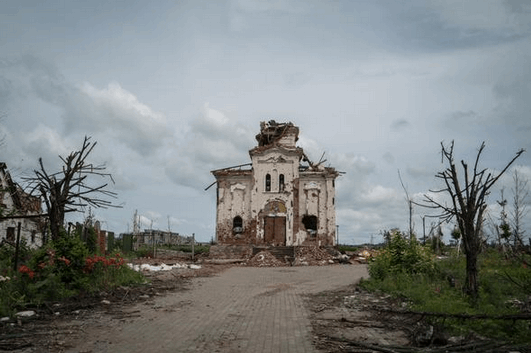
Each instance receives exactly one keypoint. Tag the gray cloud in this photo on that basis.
(388, 157)
(89, 110)
(401, 124)
(212, 141)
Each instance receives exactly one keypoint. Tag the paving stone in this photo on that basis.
(243, 309)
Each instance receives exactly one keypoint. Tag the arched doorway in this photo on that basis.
(275, 223)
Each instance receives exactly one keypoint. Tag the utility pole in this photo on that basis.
(193, 244)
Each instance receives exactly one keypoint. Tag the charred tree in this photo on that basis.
(468, 203)
(69, 190)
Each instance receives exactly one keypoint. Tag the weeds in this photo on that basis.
(438, 287)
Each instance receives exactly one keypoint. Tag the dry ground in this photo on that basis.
(344, 320)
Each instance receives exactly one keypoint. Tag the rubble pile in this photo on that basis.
(312, 256)
(363, 256)
(162, 267)
(265, 259)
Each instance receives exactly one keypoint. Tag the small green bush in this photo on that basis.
(401, 255)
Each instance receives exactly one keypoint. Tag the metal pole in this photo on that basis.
(17, 246)
(193, 243)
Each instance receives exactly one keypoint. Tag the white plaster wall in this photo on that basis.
(317, 199)
(234, 198)
(275, 163)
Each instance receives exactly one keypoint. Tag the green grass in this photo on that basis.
(198, 248)
(502, 282)
(343, 248)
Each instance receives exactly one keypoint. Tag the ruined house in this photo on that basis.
(281, 198)
(16, 206)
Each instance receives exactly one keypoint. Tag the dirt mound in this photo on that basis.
(265, 259)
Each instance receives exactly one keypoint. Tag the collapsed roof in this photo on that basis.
(272, 132)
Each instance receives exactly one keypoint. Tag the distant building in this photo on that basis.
(152, 236)
(16, 207)
(281, 198)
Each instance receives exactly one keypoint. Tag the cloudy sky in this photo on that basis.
(171, 90)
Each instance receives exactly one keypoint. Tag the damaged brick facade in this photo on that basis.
(283, 199)
(15, 202)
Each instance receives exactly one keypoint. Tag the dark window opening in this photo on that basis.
(237, 224)
(268, 182)
(33, 237)
(10, 234)
(281, 182)
(310, 223)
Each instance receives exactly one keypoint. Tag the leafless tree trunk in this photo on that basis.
(410, 206)
(468, 206)
(520, 195)
(68, 190)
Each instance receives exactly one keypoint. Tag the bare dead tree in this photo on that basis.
(69, 190)
(468, 205)
(410, 206)
(520, 195)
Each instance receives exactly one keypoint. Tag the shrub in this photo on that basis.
(401, 255)
(504, 289)
(61, 269)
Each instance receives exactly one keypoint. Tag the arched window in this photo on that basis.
(268, 182)
(281, 182)
(237, 224)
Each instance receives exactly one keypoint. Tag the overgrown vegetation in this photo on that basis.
(411, 272)
(198, 248)
(63, 268)
(345, 247)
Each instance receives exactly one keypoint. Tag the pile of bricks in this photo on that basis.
(312, 256)
(265, 259)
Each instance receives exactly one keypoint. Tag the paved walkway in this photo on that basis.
(243, 309)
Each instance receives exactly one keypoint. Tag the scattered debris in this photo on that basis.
(312, 256)
(162, 267)
(265, 259)
(28, 313)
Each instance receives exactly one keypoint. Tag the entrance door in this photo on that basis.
(275, 230)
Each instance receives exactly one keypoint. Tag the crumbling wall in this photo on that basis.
(14, 201)
(317, 199)
(285, 134)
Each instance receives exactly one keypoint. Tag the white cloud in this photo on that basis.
(112, 112)
(378, 194)
(45, 138)
(211, 141)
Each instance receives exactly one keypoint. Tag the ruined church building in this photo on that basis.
(283, 199)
